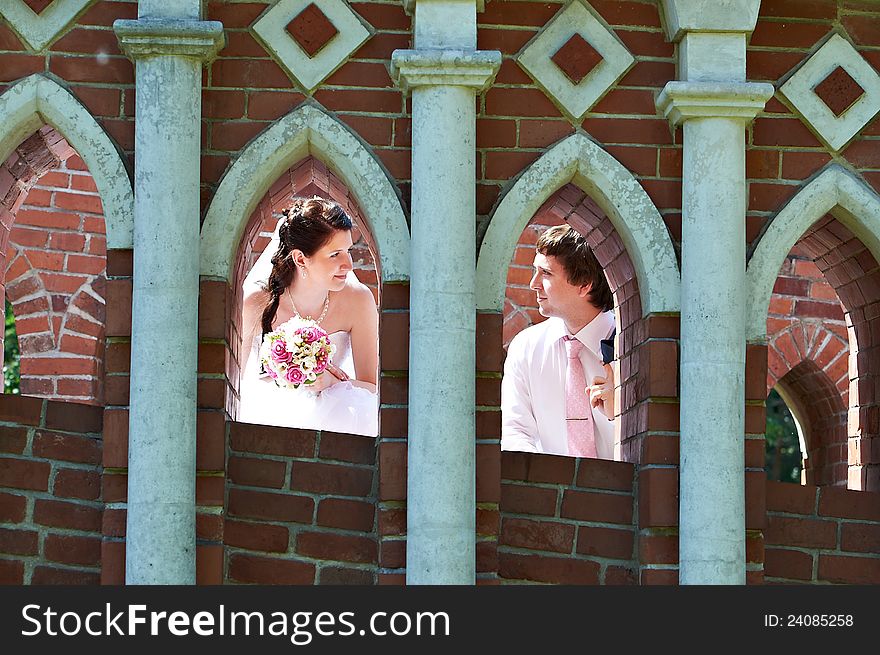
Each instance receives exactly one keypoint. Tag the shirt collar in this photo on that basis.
(593, 332)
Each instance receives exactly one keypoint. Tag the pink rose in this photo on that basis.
(279, 352)
(294, 375)
(321, 366)
(309, 334)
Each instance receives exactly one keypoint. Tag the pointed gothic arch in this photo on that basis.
(304, 131)
(39, 100)
(833, 191)
(615, 190)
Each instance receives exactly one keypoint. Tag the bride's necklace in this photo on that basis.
(309, 318)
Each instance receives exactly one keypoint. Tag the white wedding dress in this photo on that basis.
(343, 407)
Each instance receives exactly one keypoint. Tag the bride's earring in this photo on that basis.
(304, 274)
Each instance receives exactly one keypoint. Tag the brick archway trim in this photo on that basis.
(836, 191)
(580, 161)
(304, 131)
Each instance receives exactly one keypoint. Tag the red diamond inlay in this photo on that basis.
(311, 29)
(839, 91)
(576, 58)
(38, 5)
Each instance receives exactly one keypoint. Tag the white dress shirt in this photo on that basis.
(533, 387)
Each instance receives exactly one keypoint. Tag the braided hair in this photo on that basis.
(307, 225)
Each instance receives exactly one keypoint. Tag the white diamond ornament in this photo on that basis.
(309, 72)
(39, 30)
(575, 99)
(835, 131)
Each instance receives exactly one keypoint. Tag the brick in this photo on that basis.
(537, 535)
(331, 478)
(67, 447)
(18, 542)
(270, 105)
(658, 498)
(658, 549)
(75, 483)
(542, 133)
(588, 506)
(787, 34)
(338, 575)
(254, 536)
(12, 508)
(524, 499)
(783, 531)
(248, 73)
(519, 102)
(605, 474)
(18, 66)
(323, 545)
(257, 472)
(378, 101)
(20, 409)
(268, 440)
(782, 132)
(233, 136)
(788, 564)
(393, 554)
(24, 474)
(74, 417)
(275, 507)
(13, 439)
(605, 542)
(359, 73)
(347, 448)
(11, 572)
(503, 164)
(49, 575)
(558, 570)
(847, 503)
(392, 471)
(72, 550)
(60, 514)
(210, 440)
(346, 514)
(790, 498)
(860, 537)
(849, 570)
(263, 570)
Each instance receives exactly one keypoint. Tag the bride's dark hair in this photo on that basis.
(307, 225)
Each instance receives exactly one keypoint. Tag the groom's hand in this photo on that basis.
(601, 392)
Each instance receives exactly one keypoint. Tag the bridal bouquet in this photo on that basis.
(296, 353)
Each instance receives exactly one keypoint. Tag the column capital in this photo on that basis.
(409, 6)
(681, 101)
(148, 37)
(471, 68)
(680, 16)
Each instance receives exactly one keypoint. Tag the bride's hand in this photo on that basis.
(328, 378)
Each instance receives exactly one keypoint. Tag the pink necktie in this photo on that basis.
(578, 415)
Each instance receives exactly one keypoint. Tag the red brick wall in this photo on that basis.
(50, 492)
(821, 535)
(567, 521)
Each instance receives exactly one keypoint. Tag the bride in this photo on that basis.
(306, 272)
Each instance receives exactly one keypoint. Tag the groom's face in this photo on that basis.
(555, 294)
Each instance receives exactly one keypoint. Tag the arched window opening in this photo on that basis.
(305, 179)
(54, 262)
(784, 461)
(571, 205)
(11, 354)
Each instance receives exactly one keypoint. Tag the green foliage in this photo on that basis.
(11, 354)
(783, 451)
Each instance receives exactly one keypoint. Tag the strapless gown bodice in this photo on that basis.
(342, 407)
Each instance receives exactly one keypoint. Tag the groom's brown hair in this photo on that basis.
(581, 267)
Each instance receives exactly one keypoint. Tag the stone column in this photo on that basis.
(169, 45)
(444, 73)
(715, 103)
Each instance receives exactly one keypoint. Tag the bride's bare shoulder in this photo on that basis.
(357, 294)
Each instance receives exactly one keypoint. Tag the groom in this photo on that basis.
(557, 393)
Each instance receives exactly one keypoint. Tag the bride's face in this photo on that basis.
(331, 264)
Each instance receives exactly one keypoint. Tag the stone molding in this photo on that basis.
(577, 19)
(475, 69)
(309, 71)
(37, 31)
(680, 16)
(681, 101)
(409, 6)
(200, 40)
(579, 160)
(835, 131)
(835, 190)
